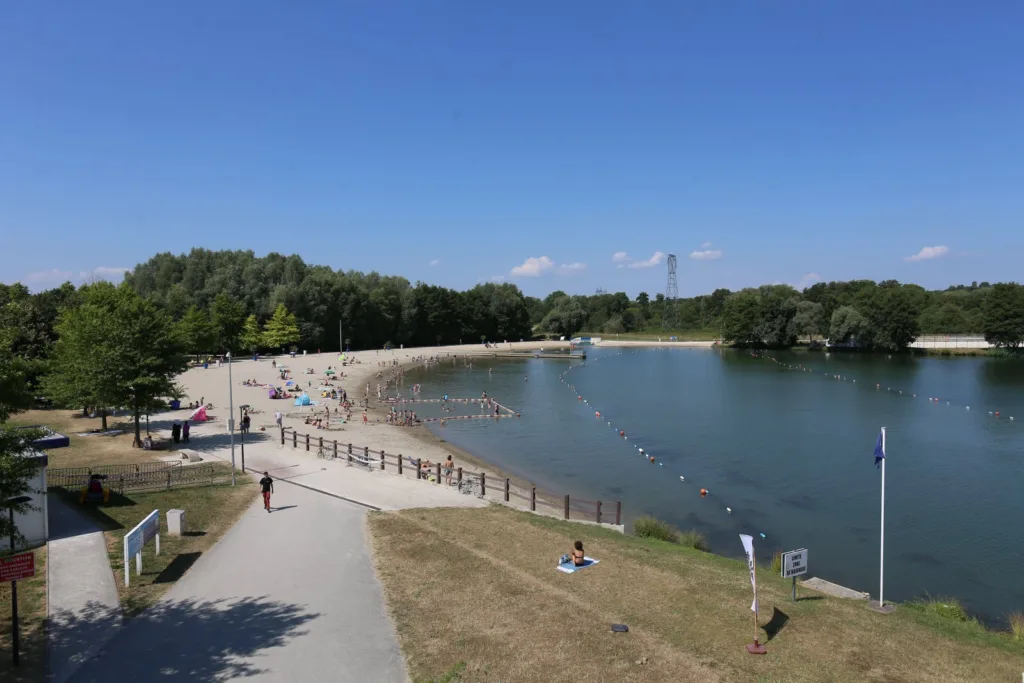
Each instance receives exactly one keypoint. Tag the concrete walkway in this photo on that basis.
(285, 596)
(82, 600)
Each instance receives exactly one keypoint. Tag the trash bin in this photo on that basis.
(206, 366)
(175, 404)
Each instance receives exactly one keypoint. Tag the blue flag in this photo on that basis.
(879, 450)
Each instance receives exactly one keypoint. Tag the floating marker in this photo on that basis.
(729, 510)
(762, 535)
(682, 478)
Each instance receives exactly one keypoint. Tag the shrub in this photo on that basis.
(1017, 625)
(945, 608)
(694, 539)
(776, 567)
(649, 527)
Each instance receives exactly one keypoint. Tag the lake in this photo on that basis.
(788, 447)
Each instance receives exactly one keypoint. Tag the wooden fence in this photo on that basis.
(468, 482)
(143, 476)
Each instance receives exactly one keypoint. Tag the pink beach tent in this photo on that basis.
(199, 414)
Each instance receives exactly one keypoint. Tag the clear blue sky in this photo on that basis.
(792, 140)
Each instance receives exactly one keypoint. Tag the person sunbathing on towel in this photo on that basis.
(577, 554)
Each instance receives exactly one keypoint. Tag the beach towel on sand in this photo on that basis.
(569, 567)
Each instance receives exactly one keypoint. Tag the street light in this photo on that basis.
(231, 418)
(11, 503)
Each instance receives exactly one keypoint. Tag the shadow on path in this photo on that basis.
(190, 640)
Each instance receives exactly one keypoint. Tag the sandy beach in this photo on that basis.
(363, 367)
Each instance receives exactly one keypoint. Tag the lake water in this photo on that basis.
(788, 447)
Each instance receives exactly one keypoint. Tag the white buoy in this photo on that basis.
(729, 510)
(681, 478)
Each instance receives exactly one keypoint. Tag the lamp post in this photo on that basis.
(231, 418)
(241, 433)
(11, 503)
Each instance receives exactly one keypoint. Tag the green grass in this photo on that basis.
(649, 527)
(1016, 620)
(513, 617)
(694, 539)
(31, 620)
(209, 512)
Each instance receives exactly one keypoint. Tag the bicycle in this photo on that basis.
(471, 485)
(323, 453)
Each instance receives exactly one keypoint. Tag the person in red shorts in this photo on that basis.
(267, 487)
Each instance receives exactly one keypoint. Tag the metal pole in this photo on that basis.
(14, 604)
(341, 337)
(881, 548)
(241, 437)
(231, 420)
(794, 589)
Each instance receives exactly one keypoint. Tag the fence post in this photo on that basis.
(399, 463)
(350, 450)
(335, 449)
(618, 513)
(168, 479)
(295, 439)
(282, 436)
(419, 468)
(366, 455)
(506, 489)
(483, 483)
(382, 456)
(567, 506)
(320, 448)
(307, 442)
(438, 473)
(460, 475)
(533, 499)
(598, 512)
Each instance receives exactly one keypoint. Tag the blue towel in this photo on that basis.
(570, 568)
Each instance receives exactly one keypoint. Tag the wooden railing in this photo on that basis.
(145, 476)
(467, 481)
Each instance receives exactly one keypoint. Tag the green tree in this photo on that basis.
(1004, 315)
(196, 332)
(281, 330)
(116, 349)
(893, 318)
(740, 318)
(228, 318)
(16, 471)
(807, 319)
(847, 325)
(251, 337)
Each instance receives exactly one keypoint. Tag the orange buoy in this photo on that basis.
(622, 433)
(597, 413)
(579, 398)
(997, 413)
(652, 458)
(703, 492)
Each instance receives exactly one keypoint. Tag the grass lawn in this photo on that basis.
(31, 614)
(97, 449)
(476, 589)
(209, 512)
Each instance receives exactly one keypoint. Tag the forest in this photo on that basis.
(234, 300)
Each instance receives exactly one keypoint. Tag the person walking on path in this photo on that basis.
(267, 487)
(184, 432)
(279, 419)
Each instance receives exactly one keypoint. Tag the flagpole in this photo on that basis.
(881, 549)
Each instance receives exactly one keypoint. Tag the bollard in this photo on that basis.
(307, 442)
(567, 506)
(618, 513)
(399, 463)
(533, 499)
(598, 512)
(506, 489)
(483, 484)
(438, 473)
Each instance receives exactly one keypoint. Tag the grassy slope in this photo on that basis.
(88, 450)
(479, 586)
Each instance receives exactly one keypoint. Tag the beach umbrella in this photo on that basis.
(329, 372)
(289, 383)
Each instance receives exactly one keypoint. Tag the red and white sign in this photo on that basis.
(18, 567)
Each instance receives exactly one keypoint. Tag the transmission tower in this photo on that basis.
(670, 316)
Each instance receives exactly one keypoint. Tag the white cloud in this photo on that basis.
(55, 277)
(808, 280)
(705, 245)
(655, 260)
(570, 268)
(928, 253)
(436, 262)
(48, 278)
(620, 257)
(706, 255)
(533, 266)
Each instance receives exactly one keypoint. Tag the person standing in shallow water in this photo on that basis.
(266, 487)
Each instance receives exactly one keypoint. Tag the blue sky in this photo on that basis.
(453, 142)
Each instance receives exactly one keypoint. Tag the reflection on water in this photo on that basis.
(788, 450)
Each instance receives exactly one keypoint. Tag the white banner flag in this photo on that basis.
(748, 547)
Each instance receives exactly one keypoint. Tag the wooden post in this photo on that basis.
(567, 506)
(348, 456)
(282, 436)
(506, 489)
(533, 499)
(598, 512)
(307, 442)
(399, 463)
(438, 473)
(618, 512)
(366, 455)
(295, 439)
(335, 449)
(320, 448)
(419, 469)
(382, 456)
(350, 450)
(483, 483)
(460, 475)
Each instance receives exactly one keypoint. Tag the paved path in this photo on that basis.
(82, 598)
(286, 596)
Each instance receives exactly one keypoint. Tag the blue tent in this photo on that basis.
(302, 400)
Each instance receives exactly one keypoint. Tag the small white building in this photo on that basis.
(32, 524)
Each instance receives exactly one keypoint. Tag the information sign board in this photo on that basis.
(17, 567)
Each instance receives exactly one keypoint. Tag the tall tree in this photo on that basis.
(116, 349)
(281, 330)
(16, 471)
(1004, 315)
(196, 332)
(807, 320)
(228, 318)
(847, 325)
(251, 338)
